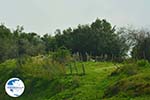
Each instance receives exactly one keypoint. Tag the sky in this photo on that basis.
(45, 16)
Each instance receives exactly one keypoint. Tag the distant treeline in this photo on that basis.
(97, 39)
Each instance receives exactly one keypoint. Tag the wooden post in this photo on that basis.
(83, 69)
(75, 67)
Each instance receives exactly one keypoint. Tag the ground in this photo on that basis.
(93, 85)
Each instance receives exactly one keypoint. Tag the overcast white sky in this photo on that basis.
(45, 16)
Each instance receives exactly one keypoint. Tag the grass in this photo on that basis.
(91, 86)
(98, 83)
(133, 82)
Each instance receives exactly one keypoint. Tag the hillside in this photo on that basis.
(102, 81)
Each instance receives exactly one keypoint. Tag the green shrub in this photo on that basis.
(129, 60)
(132, 86)
(62, 56)
(142, 63)
(127, 69)
(43, 67)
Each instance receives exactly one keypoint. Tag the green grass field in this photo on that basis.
(102, 81)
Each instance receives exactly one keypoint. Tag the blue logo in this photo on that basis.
(14, 87)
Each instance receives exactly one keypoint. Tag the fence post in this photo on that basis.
(83, 69)
(75, 67)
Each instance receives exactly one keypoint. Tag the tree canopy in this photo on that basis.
(98, 39)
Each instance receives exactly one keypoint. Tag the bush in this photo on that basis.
(142, 63)
(43, 67)
(61, 56)
(127, 69)
(129, 61)
(132, 86)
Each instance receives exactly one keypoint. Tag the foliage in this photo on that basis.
(133, 86)
(42, 62)
(138, 40)
(97, 39)
(126, 69)
(143, 63)
(133, 81)
(61, 56)
(18, 43)
(97, 84)
(142, 49)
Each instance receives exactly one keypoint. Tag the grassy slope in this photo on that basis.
(91, 86)
(71, 87)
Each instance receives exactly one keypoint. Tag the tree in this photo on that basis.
(97, 39)
(6, 43)
(142, 48)
(49, 42)
(18, 43)
(138, 40)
